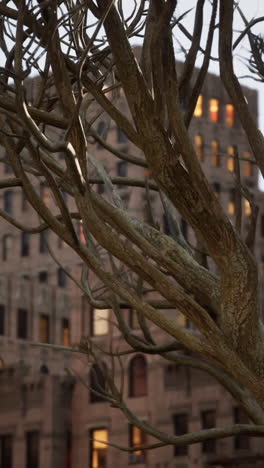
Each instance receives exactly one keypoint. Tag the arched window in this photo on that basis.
(97, 384)
(138, 376)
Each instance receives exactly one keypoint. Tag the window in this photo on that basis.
(32, 449)
(248, 166)
(24, 244)
(180, 423)
(8, 169)
(122, 169)
(240, 417)
(208, 418)
(198, 143)
(44, 193)
(22, 326)
(137, 437)
(262, 225)
(230, 115)
(6, 451)
(214, 110)
(99, 322)
(184, 228)
(24, 202)
(61, 277)
(231, 203)
(97, 384)
(170, 376)
(68, 449)
(216, 188)
(101, 127)
(8, 201)
(198, 111)
(44, 328)
(7, 245)
(43, 276)
(181, 320)
(138, 377)
(100, 188)
(231, 159)
(43, 239)
(2, 319)
(66, 332)
(215, 158)
(247, 208)
(98, 448)
(121, 137)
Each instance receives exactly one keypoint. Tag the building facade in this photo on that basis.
(48, 415)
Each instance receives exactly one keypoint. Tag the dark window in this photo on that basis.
(43, 239)
(8, 169)
(2, 319)
(62, 278)
(100, 188)
(101, 127)
(32, 449)
(184, 228)
(180, 422)
(8, 198)
(170, 376)
(240, 417)
(66, 332)
(7, 244)
(138, 377)
(6, 451)
(97, 384)
(44, 369)
(166, 226)
(24, 244)
(22, 323)
(216, 188)
(121, 137)
(262, 226)
(68, 449)
(43, 276)
(24, 202)
(122, 169)
(98, 450)
(137, 437)
(208, 418)
(44, 328)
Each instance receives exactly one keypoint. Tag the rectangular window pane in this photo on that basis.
(240, 417)
(214, 110)
(137, 437)
(198, 144)
(43, 239)
(44, 326)
(2, 319)
(24, 244)
(99, 449)
(230, 115)
(6, 451)
(32, 449)
(8, 198)
(100, 322)
(22, 323)
(208, 421)
(66, 333)
(180, 422)
(198, 111)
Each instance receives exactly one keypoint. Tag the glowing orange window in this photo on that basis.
(231, 159)
(198, 143)
(248, 166)
(215, 158)
(214, 110)
(247, 208)
(230, 115)
(198, 111)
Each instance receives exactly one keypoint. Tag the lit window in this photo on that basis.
(231, 202)
(198, 143)
(231, 159)
(248, 166)
(100, 322)
(198, 111)
(66, 332)
(180, 422)
(215, 158)
(138, 377)
(99, 448)
(181, 320)
(214, 110)
(81, 230)
(230, 115)
(44, 328)
(247, 208)
(137, 438)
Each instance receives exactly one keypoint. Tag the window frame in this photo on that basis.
(32, 456)
(136, 380)
(22, 323)
(96, 320)
(92, 448)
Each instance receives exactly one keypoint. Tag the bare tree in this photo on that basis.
(81, 58)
